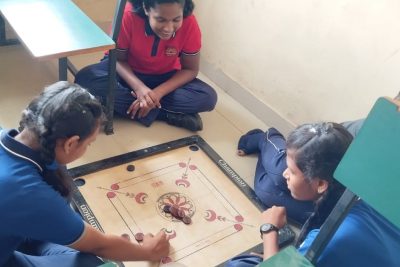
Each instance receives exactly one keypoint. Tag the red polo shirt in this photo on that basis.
(147, 53)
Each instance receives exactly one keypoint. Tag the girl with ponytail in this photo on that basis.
(38, 227)
(365, 238)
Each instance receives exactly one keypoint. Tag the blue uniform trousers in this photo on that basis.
(269, 184)
(193, 97)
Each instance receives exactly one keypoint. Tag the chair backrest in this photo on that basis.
(370, 168)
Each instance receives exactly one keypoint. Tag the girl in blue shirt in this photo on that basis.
(38, 226)
(365, 238)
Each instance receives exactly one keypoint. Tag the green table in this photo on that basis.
(54, 29)
(58, 29)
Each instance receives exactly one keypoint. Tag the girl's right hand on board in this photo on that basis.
(157, 246)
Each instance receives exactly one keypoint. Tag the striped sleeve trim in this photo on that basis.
(190, 54)
(80, 237)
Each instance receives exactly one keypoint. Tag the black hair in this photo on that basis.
(62, 110)
(138, 5)
(318, 148)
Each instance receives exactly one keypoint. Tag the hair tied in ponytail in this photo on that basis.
(52, 166)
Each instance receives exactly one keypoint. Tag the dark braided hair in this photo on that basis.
(62, 110)
(318, 149)
(138, 5)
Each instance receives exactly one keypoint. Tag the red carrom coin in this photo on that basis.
(181, 214)
(139, 237)
(174, 211)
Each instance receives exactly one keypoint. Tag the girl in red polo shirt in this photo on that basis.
(158, 53)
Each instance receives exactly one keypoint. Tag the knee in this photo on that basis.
(84, 76)
(94, 79)
(213, 98)
(209, 99)
(97, 72)
(88, 74)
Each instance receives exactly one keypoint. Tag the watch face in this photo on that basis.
(268, 227)
(265, 227)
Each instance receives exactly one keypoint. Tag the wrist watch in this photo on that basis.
(266, 228)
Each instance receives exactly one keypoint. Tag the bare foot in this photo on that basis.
(249, 142)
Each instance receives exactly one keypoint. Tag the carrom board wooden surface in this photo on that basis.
(187, 173)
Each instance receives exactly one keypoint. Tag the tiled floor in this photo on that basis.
(22, 77)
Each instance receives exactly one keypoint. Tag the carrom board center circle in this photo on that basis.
(177, 200)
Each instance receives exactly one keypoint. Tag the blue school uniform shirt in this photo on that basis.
(365, 238)
(29, 207)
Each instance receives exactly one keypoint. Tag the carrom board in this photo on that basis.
(126, 195)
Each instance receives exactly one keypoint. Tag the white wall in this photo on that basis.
(304, 60)
(292, 62)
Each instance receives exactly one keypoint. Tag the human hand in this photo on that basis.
(149, 101)
(275, 215)
(157, 246)
(146, 100)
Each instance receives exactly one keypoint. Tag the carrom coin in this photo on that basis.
(186, 220)
(130, 168)
(181, 213)
(167, 209)
(139, 237)
(174, 211)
